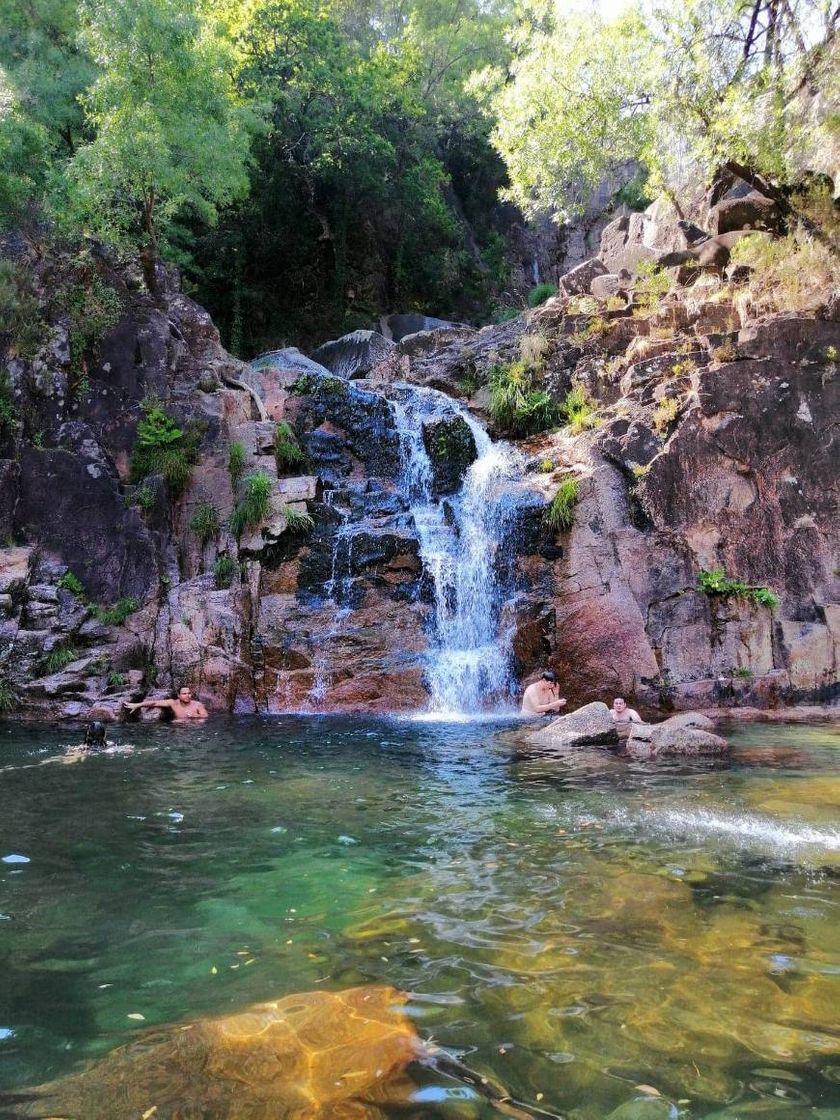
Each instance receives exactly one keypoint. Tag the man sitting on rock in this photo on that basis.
(542, 697)
(182, 706)
(623, 717)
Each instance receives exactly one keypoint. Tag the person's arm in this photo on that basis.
(552, 706)
(202, 711)
(149, 704)
(634, 716)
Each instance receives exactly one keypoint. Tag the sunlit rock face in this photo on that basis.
(317, 1054)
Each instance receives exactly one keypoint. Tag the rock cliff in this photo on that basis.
(712, 445)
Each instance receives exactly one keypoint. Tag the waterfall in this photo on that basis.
(462, 545)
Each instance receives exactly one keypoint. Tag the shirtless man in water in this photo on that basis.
(623, 717)
(542, 697)
(182, 707)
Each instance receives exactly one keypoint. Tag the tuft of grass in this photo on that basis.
(254, 503)
(118, 612)
(652, 284)
(715, 581)
(21, 316)
(59, 658)
(742, 672)
(164, 448)
(224, 570)
(726, 352)
(559, 516)
(145, 498)
(299, 522)
(540, 293)
(789, 273)
(579, 412)
(236, 461)
(593, 329)
(116, 680)
(73, 584)
(204, 523)
(8, 696)
(8, 418)
(533, 349)
(505, 314)
(665, 414)
(517, 406)
(287, 450)
(546, 466)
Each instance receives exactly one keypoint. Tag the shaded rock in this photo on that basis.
(396, 327)
(317, 1054)
(355, 354)
(629, 444)
(753, 211)
(451, 448)
(609, 284)
(590, 724)
(9, 481)
(577, 281)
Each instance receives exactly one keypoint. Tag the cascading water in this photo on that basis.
(460, 543)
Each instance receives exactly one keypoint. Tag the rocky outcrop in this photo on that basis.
(590, 724)
(354, 355)
(689, 733)
(451, 448)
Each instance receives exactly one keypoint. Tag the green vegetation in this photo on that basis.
(204, 522)
(596, 326)
(790, 273)
(297, 521)
(540, 293)
(287, 450)
(560, 514)
(8, 419)
(545, 466)
(517, 406)
(224, 570)
(144, 497)
(20, 314)
(726, 352)
(116, 680)
(93, 308)
(236, 462)
(651, 285)
(717, 582)
(59, 658)
(254, 503)
(665, 414)
(73, 584)
(8, 696)
(742, 673)
(163, 448)
(578, 411)
(118, 612)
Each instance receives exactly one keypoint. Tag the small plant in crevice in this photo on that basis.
(8, 418)
(204, 522)
(726, 352)
(533, 349)
(8, 696)
(559, 515)
(517, 406)
(118, 612)
(304, 385)
(73, 584)
(163, 448)
(21, 316)
(298, 521)
(59, 658)
(665, 414)
(254, 503)
(651, 285)
(224, 570)
(540, 293)
(236, 462)
(715, 582)
(287, 451)
(116, 680)
(742, 673)
(596, 326)
(93, 308)
(578, 411)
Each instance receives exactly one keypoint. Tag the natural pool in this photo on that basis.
(570, 928)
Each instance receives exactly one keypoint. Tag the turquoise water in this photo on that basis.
(569, 928)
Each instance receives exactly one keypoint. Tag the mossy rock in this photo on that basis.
(451, 448)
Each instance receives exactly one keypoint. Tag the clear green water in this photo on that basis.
(570, 928)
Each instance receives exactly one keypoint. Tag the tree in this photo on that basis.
(689, 87)
(171, 134)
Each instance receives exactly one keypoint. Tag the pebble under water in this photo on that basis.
(585, 932)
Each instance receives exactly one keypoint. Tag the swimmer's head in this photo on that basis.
(95, 734)
(550, 677)
(185, 694)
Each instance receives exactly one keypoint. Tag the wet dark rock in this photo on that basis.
(398, 326)
(450, 445)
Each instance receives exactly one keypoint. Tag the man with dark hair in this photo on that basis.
(542, 697)
(182, 706)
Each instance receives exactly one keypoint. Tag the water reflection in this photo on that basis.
(572, 929)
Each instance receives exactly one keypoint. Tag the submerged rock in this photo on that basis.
(310, 1055)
